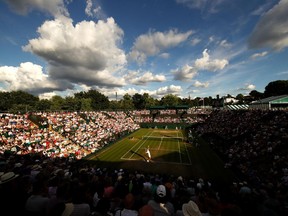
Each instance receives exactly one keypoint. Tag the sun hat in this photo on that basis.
(6, 177)
(190, 209)
(161, 191)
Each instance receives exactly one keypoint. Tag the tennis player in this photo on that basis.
(148, 153)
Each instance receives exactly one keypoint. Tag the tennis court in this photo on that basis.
(165, 146)
(170, 153)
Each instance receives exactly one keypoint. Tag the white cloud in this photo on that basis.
(271, 30)
(195, 41)
(205, 63)
(198, 84)
(186, 73)
(164, 55)
(96, 12)
(86, 53)
(153, 43)
(47, 95)
(250, 87)
(225, 44)
(172, 89)
(203, 5)
(88, 9)
(27, 77)
(137, 79)
(54, 7)
(247, 87)
(257, 55)
(262, 9)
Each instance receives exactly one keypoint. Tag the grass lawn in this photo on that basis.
(170, 154)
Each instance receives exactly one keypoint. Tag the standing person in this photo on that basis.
(148, 153)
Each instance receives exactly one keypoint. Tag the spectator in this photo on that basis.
(160, 204)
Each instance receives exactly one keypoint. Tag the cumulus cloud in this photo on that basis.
(29, 77)
(248, 87)
(257, 55)
(271, 30)
(54, 7)
(137, 79)
(172, 89)
(86, 53)
(153, 43)
(186, 73)
(205, 63)
(198, 84)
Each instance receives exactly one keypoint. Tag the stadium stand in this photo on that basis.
(252, 142)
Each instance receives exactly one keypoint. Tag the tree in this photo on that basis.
(98, 100)
(5, 101)
(255, 95)
(240, 98)
(127, 103)
(57, 103)
(138, 101)
(149, 101)
(71, 104)
(275, 88)
(114, 105)
(86, 104)
(170, 100)
(24, 98)
(43, 105)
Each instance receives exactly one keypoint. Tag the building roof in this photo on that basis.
(237, 107)
(272, 100)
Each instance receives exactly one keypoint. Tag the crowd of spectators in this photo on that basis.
(53, 183)
(253, 143)
(65, 134)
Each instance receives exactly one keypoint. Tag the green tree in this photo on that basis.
(275, 88)
(5, 102)
(170, 100)
(20, 108)
(57, 103)
(255, 95)
(71, 103)
(240, 98)
(86, 104)
(43, 105)
(126, 102)
(138, 101)
(21, 97)
(115, 105)
(98, 100)
(149, 101)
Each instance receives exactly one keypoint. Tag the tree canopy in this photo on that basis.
(92, 100)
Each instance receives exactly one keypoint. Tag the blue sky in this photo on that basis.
(195, 48)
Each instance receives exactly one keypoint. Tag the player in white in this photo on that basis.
(148, 153)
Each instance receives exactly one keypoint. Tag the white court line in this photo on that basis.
(150, 134)
(160, 143)
(123, 156)
(179, 150)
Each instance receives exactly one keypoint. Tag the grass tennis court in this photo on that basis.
(170, 154)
